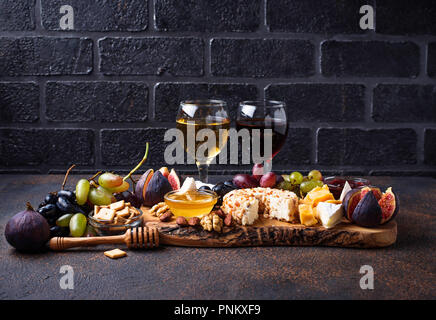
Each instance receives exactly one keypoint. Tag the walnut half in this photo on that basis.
(211, 222)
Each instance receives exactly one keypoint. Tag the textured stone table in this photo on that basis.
(404, 270)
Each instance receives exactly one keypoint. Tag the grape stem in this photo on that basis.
(133, 182)
(94, 176)
(93, 183)
(139, 164)
(66, 176)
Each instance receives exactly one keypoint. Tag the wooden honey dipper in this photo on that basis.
(134, 238)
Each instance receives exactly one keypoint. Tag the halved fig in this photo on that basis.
(142, 183)
(389, 205)
(351, 200)
(165, 172)
(376, 191)
(174, 180)
(367, 212)
(156, 189)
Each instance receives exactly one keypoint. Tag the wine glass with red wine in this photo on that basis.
(262, 115)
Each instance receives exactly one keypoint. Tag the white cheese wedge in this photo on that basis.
(330, 214)
(188, 185)
(345, 190)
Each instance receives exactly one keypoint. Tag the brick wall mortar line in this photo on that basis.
(370, 36)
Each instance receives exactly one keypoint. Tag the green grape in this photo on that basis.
(64, 220)
(286, 177)
(99, 197)
(296, 177)
(286, 185)
(306, 186)
(318, 183)
(123, 187)
(82, 190)
(78, 224)
(315, 175)
(110, 180)
(107, 192)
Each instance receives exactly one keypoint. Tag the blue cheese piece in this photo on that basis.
(330, 214)
(345, 190)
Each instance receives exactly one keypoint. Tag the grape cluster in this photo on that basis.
(64, 215)
(110, 188)
(222, 188)
(300, 184)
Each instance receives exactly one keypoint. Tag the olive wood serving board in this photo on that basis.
(268, 232)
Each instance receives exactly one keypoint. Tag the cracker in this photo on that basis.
(115, 253)
(106, 214)
(125, 212)
(120, 220)
(134, 211)
(117, 205)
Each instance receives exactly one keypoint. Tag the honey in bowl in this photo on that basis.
(194, 203)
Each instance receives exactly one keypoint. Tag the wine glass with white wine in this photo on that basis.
(193, 117)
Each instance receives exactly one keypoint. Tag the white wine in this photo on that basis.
(190, 128)
(208, 122)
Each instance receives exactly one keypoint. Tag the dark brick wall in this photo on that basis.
(358, 101)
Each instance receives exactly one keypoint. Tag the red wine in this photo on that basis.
(279, 131)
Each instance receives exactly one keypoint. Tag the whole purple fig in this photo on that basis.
(27, 230)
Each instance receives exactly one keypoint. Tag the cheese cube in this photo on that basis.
(307, 216)
(318, 194)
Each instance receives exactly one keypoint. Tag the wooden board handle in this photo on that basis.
(62, 243)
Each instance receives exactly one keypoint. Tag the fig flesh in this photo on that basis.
(165, 172)
(174, 180)
(350, 202)
(142, 183)
(367, 212)
(376, 191)
(389, 205)
(156, 189)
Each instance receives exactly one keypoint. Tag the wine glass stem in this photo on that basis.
(267, 165)
(203, 169)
